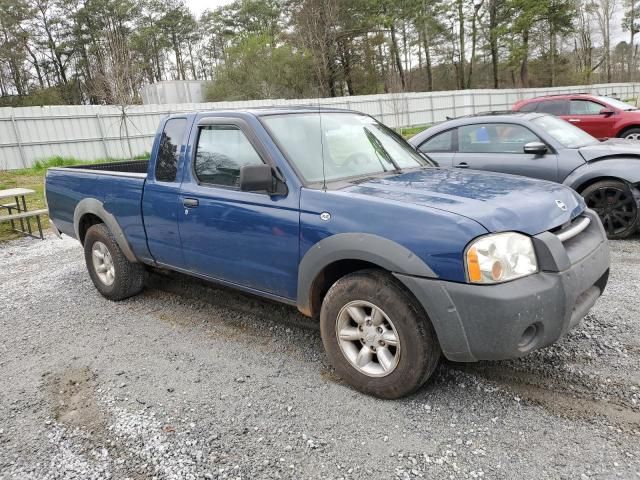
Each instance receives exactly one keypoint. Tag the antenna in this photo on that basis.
(324, 174)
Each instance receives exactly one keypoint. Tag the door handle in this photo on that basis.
(190, 202)
(574, 120)
(462, 165)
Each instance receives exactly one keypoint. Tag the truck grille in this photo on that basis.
(571, 229)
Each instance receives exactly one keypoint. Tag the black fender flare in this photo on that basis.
(380, 251)
(607, 168)
(95, 207)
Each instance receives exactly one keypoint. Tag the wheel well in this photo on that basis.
(626, 129)
(86, 222)
(588, 183)
(330, 275)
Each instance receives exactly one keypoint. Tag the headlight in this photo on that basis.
(500, 258)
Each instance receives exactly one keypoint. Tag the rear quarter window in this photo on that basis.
(529, 107)
(552, 107)
(169, 151)
(441, 142)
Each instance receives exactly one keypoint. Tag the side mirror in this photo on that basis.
(535, 148)
(261, 178)
(606, 112)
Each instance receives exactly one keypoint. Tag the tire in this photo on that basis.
(115, 277)
(398, 315)
(616, 206)
(631, 134)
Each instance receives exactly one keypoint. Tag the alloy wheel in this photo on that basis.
(616, 207)
(368, 338)
(103, 263)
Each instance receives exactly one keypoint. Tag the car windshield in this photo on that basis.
(565, 133)
(333, 146)
(615, 103)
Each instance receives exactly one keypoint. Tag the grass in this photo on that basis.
(33, 178)
(408, 132)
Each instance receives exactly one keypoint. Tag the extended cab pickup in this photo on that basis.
(333, 212)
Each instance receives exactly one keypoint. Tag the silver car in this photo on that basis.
(606, 174)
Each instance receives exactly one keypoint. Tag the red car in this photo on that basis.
(602, 117)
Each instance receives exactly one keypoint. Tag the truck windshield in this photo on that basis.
(351, 145)
(565, 133)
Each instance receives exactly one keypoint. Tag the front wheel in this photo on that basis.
(376, 335)
(632, 134)
(614, 202)
(115, 277)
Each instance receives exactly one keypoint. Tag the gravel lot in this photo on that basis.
(191, 381)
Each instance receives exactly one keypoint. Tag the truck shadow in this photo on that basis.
(538, 379)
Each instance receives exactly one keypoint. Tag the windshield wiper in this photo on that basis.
(380, 150)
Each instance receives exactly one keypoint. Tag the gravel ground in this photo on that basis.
(192, 381)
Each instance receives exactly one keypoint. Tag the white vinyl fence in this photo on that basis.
(91, 132)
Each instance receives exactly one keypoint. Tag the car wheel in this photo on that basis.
(615, 204)
(631, 134)
(115, 277)
(377, 337)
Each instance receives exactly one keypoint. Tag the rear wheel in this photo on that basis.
(614, 202)
(631, 134)
(115, 277)
(377, 336)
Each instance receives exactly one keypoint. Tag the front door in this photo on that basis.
(440, 148)
(499, 147)
(244, 238)
(160, 205)
(586, 115)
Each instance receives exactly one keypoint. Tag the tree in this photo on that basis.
(64, 50)
(604, 11)
(631, 24)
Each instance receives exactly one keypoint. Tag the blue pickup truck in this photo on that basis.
(333, 212)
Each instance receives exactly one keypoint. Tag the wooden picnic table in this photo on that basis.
(23, 214)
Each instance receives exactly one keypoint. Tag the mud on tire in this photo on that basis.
(417, 347)
(115, 277)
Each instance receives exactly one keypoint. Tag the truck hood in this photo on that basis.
(498, 202)
(612, 148)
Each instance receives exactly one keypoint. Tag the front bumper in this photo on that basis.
(508, 320)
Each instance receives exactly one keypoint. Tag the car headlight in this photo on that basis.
(500, 257)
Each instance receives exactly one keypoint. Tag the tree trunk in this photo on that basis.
(176, 51)
(493, 40)
(426, 43)
(632, 34)
(345, 55)
(474, 40)
(396, 55)
(462, 45)
(36, 65)
(56, 56)
(193, 63)
(331, 77)
(552, 56)
(524, 66)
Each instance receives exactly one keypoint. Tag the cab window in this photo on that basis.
(584, 107)
(222, 150)
(494, 138)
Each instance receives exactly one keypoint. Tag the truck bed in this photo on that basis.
(118, 186)
(129, 166)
